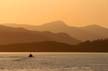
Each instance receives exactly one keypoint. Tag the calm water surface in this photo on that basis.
(54, 62)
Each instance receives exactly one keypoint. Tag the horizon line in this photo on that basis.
(9, 24)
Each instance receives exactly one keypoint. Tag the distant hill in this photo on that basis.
(47, 46)
(59, 26)
(91, 32)
(10, 35)
(99, 31)
(52, 46)
(94, 46)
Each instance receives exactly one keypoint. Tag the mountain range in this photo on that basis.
(52, 46)
(91, 32)
(12, 35)
(53, 37)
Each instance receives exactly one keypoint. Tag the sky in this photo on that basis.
(37, 12)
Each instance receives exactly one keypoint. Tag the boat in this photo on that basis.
(30, 55)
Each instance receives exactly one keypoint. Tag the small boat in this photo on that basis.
(30, 55)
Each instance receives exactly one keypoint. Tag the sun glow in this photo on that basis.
(36, 12)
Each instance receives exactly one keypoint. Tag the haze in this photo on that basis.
(37, 12)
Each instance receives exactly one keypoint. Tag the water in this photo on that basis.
(54, 62)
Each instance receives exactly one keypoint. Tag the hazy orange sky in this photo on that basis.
(36, 12)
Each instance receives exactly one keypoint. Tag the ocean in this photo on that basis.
(50, 61)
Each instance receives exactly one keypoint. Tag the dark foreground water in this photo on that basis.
(54, 62)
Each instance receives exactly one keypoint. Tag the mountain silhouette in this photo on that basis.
(100, 45)
(53, 37)
(52, 46)
(45, 46)
(99, 31)
(10, 35)
(91, 32)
